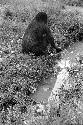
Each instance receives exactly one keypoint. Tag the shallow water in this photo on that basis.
(73, 51)
(44, 91)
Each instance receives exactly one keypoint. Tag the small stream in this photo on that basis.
(44, 91)
(73, 51)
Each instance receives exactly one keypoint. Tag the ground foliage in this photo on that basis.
(20, 75)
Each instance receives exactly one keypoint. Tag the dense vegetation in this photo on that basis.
(20, 74)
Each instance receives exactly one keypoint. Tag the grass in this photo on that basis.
(20, 75)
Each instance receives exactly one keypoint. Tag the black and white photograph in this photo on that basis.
(41, 62)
